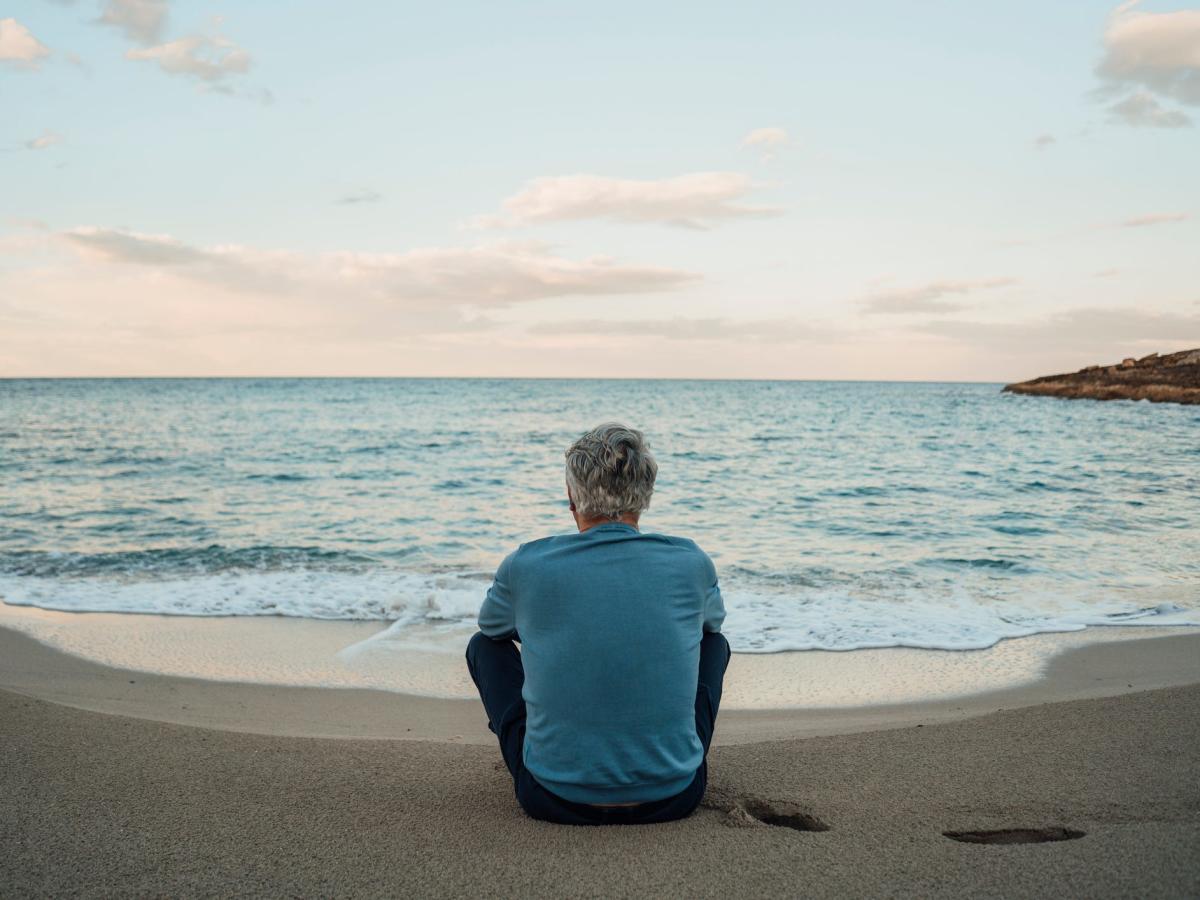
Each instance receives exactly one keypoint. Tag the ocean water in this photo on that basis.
(840, 515)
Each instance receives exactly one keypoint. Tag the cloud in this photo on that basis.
(111, 245)
(1158, 56)
(364, 196)
(211, 59)
(1042, 141)
(1154, 219)
(18, 47)
(688, 329)
(142, 21)
(44, 140)
(208, 58)
(1085, 328)
(493, 275)
(768, 140)
(698, 200)
(928, 297)
(1141, 110)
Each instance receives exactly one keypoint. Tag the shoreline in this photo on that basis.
(1126, 664)
(427, 661)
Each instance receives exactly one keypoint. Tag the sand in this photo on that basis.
(94, 803)
(428, 660)
(1090, 670)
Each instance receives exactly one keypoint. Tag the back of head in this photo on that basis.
(610, 472)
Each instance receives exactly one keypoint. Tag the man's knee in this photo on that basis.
(715, 642)
(477, 640)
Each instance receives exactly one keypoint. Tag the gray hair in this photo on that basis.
(610, 472)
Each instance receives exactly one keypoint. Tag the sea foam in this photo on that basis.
(757, 622)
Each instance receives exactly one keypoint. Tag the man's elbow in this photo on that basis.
(498, 631)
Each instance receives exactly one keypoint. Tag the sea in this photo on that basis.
(840, 515)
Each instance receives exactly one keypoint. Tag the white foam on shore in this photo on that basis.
(427, 659)
(956, 621)
(813, 618)
(391, 595)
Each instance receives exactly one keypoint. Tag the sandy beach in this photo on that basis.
(787, 421)
(100, 803)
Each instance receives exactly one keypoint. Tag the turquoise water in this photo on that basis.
(840, 515)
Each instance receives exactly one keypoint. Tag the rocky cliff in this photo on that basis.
(1174, 378)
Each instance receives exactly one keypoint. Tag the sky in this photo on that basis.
(929, 190)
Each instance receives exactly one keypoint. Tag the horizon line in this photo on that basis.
(483, 378)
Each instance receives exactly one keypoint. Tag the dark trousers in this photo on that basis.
(496, 669)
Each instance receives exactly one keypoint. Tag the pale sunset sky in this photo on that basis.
(939, 190)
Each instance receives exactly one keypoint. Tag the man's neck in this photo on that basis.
(585, 524)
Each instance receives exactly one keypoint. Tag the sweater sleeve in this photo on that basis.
(498, 615)
(714, 603)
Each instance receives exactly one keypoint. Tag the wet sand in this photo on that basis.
(94, 803)
(428, 661)
(1096, 670)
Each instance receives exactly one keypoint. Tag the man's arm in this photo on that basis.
(714, 603)
(497, 616)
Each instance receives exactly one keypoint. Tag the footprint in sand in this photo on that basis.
(1015, 835)
(755, 812)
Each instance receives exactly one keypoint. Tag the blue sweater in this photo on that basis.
(610, 621)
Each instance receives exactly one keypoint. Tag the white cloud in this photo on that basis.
(1154, 219)
(44, 140)
(1157, 55)
(1160, 51)
(18, 46)
(493, 275)
(107, 301)
(113, 245)
(698, 200)
(1142, 111)
(209, 59)
(692, 329)
(929, 297)
(768, 140)
(1042, 141)
(141, 20)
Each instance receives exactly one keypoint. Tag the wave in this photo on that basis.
(376, 594)
(838, 621)
(799, 617)
(170, 561)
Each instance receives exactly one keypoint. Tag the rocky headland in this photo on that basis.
(1174, 378)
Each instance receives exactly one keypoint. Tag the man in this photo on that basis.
(606, 713)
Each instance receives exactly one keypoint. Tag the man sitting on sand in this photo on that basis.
(606, 713)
